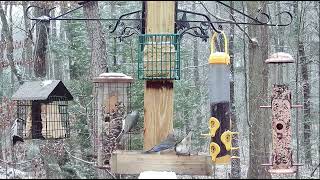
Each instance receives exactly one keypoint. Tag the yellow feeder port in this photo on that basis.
(214, 150)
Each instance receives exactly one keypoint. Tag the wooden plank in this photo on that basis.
(160, 17)
(158, 112)
(134, 162)
(158, 95)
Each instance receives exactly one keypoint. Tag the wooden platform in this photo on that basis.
(135, 162)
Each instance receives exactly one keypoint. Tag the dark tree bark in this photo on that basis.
(42, 31)
(235, 163)
(306, 104)
(97, 41)
(97, 44)
(306, 90)
(2, 48)
(258, 77)
(66, 34)
(9, 42)
(27, 49)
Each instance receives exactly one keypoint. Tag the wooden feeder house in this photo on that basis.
(111, 104)
(159, 56)
(282, 161)
(42, 110)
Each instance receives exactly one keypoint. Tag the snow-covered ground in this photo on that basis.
(11, 173)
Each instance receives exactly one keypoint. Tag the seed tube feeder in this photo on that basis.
(42, 110)
(219, 96)
(282, 162)
(111, 104)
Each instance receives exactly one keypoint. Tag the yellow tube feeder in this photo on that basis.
(219, 96)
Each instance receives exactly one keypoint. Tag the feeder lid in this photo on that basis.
(42, 90)
(280, 57)
(112, 77)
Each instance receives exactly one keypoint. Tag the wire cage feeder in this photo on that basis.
(159, 57)
(42, 110)
(112, 102)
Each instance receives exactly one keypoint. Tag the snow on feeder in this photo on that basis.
(219, 97)
(42, 110)
(159, 56)
(282, 161)
(111, 104)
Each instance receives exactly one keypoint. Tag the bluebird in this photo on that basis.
(167, 144)
(184, 146)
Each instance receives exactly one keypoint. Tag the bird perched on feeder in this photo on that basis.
(168, 144)
(184, 146)
(128, 123)
(14, 132)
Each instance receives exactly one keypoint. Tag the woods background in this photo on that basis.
(77, 51)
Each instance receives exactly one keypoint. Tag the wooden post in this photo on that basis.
(158, 94)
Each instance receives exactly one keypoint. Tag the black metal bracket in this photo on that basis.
(124, 31)
(183, 24)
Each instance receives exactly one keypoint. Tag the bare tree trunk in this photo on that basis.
(97, 44)
(306, 104)
(235, 163)
(54, 64)
(306, 91)
(9, 43)
(297, 32)
(66, 35)
(2, 47)
(42, 31)
(27, 49)
(196, 73)
(258, 75)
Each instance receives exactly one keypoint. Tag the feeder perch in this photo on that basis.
(282, 161)
(111, 104)
(159, 57)
(42, 110)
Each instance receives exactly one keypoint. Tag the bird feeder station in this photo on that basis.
(159, 57)
(282, 161)
(219, 97)
(111, 104)
(42, 110)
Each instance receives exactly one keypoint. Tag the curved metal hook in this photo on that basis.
(202, 35)
(205, 16)
(39, 19)
(257, 21)
(268, 18)
(290, 15)
(118, 21)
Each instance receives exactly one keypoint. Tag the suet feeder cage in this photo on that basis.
(159, 57)
(282, 161)
(112, 102)
(42, 110)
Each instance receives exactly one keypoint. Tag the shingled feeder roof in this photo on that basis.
(41, 90)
